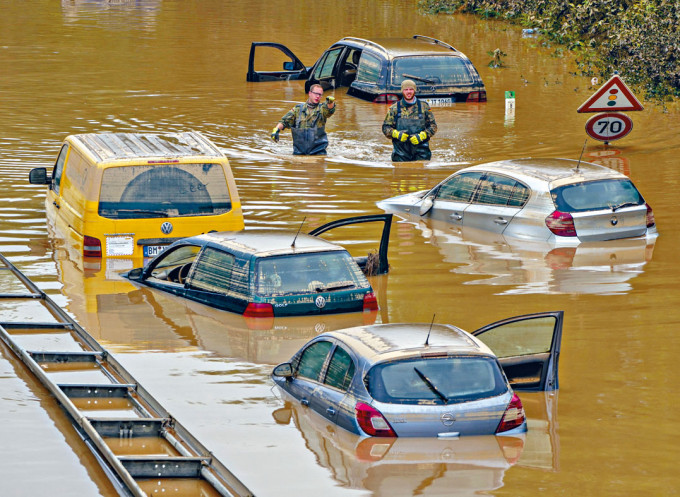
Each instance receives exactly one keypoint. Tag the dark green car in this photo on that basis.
(265, 273)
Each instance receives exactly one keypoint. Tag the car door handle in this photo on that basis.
(456, 216)
(330, 411)
(304, 402)
(500, 220)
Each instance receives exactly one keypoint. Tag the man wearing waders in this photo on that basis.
(410, 123)
(307, 122)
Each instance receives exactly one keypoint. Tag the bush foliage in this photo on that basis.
(638, 38)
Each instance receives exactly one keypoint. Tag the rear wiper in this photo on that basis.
(341, 285)
(142, 211)
(431, 385)
(625, 204)
(424, 80)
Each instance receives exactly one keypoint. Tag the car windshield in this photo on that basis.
(164, 190)
(308, 273)
(431, 70)
(596, 195)
(436, 380)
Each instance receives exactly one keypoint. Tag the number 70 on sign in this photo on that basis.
(609, 126)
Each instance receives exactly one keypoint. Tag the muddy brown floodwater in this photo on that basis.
(87, 66)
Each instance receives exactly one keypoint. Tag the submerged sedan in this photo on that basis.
(556, 200)
(268, 273)
(400, 380)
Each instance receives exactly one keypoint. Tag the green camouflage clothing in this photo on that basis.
(306, 116)
(409, 111)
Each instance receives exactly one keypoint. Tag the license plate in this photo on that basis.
(439, 102)
(153, 250)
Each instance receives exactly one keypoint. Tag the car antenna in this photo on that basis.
(298, 232)
(427, 340)
(581, 156)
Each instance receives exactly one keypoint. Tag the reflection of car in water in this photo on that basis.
(428, 466)
(374, 69)
(415, 380)
(530, 266)
(129, 195)
(265, 273)
(561, 201)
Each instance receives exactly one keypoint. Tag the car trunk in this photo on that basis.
(607, 225)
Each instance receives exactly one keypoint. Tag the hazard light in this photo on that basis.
(256, 310)
(92, 247)
(386, 98)
(476, 96)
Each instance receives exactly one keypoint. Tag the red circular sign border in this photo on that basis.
(627, 128)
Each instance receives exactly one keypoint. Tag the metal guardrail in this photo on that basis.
(183, 457)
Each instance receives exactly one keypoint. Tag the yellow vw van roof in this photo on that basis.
(127, 146)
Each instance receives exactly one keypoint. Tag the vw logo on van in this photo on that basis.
(320, 302)
(166, 228)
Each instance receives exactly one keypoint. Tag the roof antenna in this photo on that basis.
(427, 340)
(298, 232)
(581, 156)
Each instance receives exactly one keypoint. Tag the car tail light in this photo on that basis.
(372, 421)
(255, 310)
(513, 415)
(370, 302)
(476, 96)
(650, 217)
(561, 223)
(386, 98)
(92, 247)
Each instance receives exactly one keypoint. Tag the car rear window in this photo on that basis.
(440, 380)
(164, 190)
(432, 70)
(308, 273)
(596, 195)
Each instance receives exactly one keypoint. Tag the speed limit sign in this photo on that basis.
(609, 126)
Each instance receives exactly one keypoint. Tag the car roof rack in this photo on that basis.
(366, 42)
(435, 41)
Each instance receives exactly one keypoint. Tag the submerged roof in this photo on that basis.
(550, 169)
(268, 242)
(416, 45)
(116, 146)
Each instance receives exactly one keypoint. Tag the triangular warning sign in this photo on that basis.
(613, 96)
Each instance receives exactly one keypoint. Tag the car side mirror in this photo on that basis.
(426, 205)
(38, 176)
(289, 66)
(135, 274)
(284, 370)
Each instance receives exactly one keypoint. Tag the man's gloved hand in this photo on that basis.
(419, 138)
(275, 134)
(400, 135)
(330, 100)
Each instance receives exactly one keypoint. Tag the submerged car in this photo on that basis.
(557, 200)
(374, 69)
(269, 273)
(401, 380)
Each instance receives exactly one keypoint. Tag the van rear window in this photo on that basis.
(164, 190)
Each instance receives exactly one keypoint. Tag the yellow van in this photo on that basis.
(129, 195)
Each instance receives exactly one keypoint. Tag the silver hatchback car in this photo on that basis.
(422, 380)
(561, 201)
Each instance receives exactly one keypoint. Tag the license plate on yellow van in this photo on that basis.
(153, 250)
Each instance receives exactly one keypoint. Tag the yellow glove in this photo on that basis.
(399, 135)
(275, 134)
(330, 100)
(419, 138)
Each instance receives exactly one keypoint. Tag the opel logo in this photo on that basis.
(447, 419)
(166, 228)
(320, 302)
(614, 221)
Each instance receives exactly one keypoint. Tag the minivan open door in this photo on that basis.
(528, 348)
(293, 68)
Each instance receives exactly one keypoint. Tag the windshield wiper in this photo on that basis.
(142, 211)
(341, 285)
(431, 385)
(424, 80)
(625, 204)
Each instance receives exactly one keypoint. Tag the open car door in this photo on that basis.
(293, 68)
(528, 348)
(369, 267)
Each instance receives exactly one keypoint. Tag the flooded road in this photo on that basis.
(89, 66)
